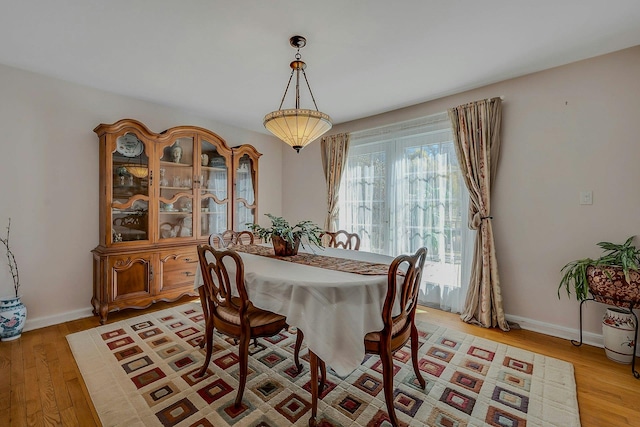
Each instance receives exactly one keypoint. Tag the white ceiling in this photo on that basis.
(229, 60)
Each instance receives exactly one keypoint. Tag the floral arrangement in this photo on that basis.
(13, 265)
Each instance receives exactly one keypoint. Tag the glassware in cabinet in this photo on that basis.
(176, 184)
(129, 215)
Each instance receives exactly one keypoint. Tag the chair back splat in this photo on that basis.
(230, 237)
(410, 286)
(217, 281)
(342, 239)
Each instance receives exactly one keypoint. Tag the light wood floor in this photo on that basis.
(40, 384)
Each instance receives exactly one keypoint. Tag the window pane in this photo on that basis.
(402, 189)
(365, 207)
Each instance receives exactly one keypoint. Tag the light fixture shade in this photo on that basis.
(138, 171)
(297, 127)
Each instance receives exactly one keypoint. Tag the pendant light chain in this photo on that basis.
(311, 93)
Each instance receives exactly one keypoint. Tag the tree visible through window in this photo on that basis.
(402, 189)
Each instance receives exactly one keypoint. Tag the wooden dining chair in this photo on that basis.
(234, 316)
(394, 335)
(231, 237)
(398, 329)
(222, 241)
(342, 239)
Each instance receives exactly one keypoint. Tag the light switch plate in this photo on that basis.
(586, 197)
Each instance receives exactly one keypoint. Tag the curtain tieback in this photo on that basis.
(477, 221)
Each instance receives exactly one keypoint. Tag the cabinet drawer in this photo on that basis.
(178, 269)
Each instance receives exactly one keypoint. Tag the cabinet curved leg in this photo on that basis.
(574, 342)
(635, 345)
(104, 311)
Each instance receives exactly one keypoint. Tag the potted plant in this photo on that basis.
(13, 312)
(612, 279)
(618, 266)
(285, 237)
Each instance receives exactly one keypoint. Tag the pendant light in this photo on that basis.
(297, 127)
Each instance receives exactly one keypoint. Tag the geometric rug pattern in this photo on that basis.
(141, 372)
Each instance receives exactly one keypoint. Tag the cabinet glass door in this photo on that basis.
(245, 209)
(175, 209)
(130, 189)
(214, 189)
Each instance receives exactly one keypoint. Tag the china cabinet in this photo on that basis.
(162, 194)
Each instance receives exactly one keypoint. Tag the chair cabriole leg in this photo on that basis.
(243, 355)
(387, 382)
(414, 355)
(296, 352)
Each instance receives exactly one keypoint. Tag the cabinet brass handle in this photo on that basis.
(189, 274)
(150, 272)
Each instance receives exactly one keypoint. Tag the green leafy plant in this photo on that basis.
(11, 260)
(281, 227)
(574, 274)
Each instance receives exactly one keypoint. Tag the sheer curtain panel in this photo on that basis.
(401, 190)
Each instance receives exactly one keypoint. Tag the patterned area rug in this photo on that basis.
(141, 372)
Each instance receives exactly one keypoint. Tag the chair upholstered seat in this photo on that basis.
(257, 317)
(399, 323)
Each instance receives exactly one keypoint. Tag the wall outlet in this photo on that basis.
(586, 197)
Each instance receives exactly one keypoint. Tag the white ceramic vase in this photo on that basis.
(618, 330)
(13, 315)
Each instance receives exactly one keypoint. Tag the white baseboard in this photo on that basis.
(590, 338)
(42, 322)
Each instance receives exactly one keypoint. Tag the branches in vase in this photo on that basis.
(11, 261)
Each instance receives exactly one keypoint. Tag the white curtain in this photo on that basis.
(401, 190)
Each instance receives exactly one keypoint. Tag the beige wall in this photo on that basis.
(49, 183)
(567, 129)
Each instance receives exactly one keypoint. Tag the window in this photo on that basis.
(402, 189)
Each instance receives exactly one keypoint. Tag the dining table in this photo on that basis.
(335, 296)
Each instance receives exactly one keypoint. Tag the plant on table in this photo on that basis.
(280, 227)
(574, 274)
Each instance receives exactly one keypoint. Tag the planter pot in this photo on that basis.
(282, 247)
(618, 331)
(13, 315)
(608, 286)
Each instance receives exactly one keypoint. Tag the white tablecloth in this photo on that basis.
(335, 310)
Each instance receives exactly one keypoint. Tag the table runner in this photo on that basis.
(322, 261)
